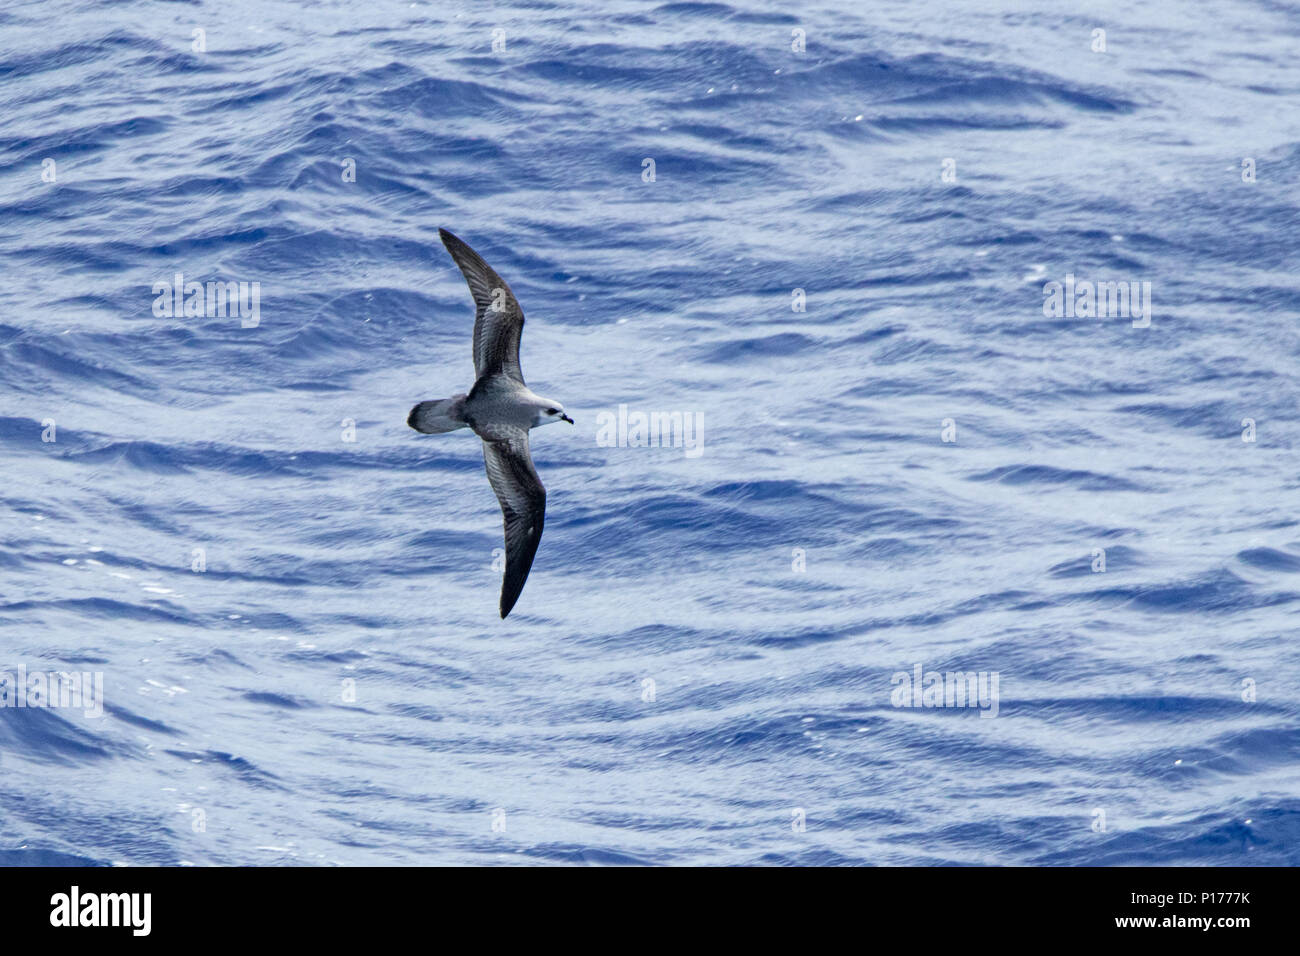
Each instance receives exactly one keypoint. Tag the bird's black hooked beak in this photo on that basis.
(566, 418)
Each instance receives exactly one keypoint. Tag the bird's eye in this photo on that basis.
(552, 411)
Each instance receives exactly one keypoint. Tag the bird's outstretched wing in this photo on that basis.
(523, 503)
(498, 320)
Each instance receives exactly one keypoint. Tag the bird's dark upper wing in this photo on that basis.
(498, 320)
(523, 503)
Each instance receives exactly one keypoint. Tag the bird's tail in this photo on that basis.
(438, 416)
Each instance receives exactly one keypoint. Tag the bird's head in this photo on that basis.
(549, 411)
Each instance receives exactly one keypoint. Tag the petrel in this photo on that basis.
(500, 409)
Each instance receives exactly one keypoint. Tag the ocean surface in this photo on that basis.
(838, 269)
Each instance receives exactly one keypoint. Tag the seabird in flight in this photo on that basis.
(500, 409)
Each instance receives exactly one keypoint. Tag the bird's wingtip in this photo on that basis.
(507, 604)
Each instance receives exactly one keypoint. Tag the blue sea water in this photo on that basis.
(702, 668)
